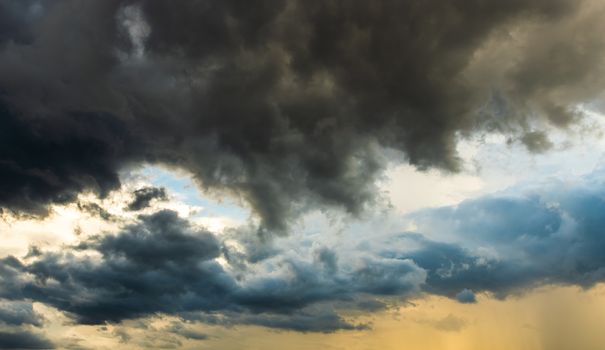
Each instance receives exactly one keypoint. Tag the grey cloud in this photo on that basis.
(159, 265)
(23, 340)
(162, 264)
(328, 259)
(287, 104)
(319, 318)
(451, 268)
(52, 162)
(466, 296)
(163, 238)
(371, 305)
(19, 313)
(540, 234)
(16, 19)
(144, 196)
(504, 243)
(536, 141)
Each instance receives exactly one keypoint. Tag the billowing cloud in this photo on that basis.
(503, 243)
(163, 265)
(287, 104)
(525, 236)
(18, 314)
(156, 266)
(294, 107)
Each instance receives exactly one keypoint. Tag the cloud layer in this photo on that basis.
(501, 244)
(293, 107)
(162, 265)
(287, 104)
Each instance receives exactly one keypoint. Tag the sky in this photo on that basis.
(286, 174)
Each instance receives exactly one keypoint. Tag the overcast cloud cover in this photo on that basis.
(292, 108)
(287, 104)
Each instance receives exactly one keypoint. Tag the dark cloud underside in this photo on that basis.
(162, 265)
(285, 103)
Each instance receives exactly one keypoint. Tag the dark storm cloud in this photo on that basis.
(18, 314)
(16, 19)
(163, 265)
(52, 159)
(159, 265)
(295, 284)
(287, 104)
(144, 196)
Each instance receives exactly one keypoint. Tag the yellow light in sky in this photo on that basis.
(549, 318)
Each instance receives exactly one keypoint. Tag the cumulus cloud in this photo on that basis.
(290, 106)
(287, 104)
(503, 243)
(525, 236)
(155, 266)
(162, 264)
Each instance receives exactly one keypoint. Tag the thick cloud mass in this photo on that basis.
(162, 265)
(156, 266)
(285, 103)
(548, 233)
(52, 159)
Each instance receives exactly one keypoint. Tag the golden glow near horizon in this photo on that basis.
(548, 318)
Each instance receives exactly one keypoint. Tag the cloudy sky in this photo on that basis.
(289, 174)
